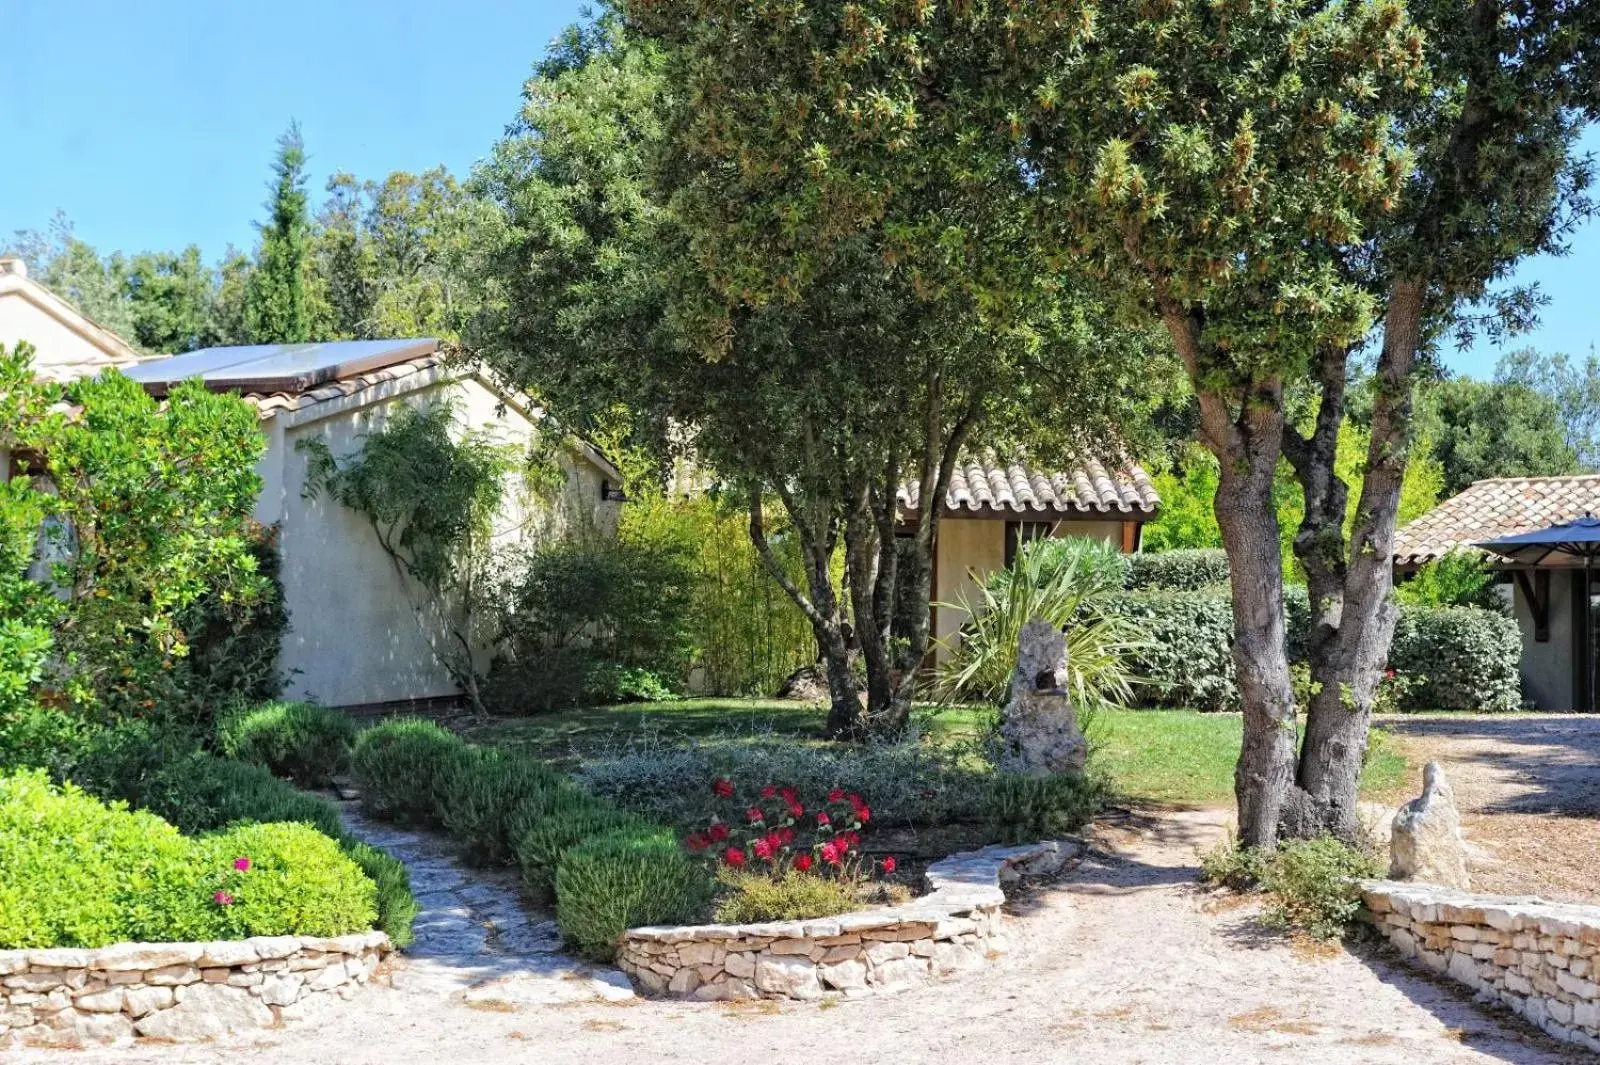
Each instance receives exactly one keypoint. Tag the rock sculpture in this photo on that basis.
(1426, 844)
(1039, 725)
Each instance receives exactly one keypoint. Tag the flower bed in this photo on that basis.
(72, 997)
(956, 926)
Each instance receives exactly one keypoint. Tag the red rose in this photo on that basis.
(763, 850)
(768, 792)
(734, 857)
(754, 814)
(774, 840)
(889, 865)
(823, 819)
(696, 842)
(717, 832)
(803, 862)
(830, 854)
(722, 787)
(863, 814)
(786, 835)
(789, 796)
(836, 794)
(796, 810)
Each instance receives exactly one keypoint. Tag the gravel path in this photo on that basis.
(1528, 787)
(1124, 960)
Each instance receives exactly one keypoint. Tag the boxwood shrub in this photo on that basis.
(302, 741)
(77, 872)
(1184, 570)
(400, 766)
(623, 879)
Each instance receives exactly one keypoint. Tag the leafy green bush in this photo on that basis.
(1060, 581)
(400, 766)
(612, 612)
(1182, 570)
(624, 879)
(235, 643)
(910, 783)
(302, 741)
(1026, 808)
(293, 881)
(481, 792)
(1313, 885)
(1232, 866)
(77, 872)
(545, 832)
(1459, 658)
(791, 896)
(1459, 578)
(1186, 659)
(201, 792)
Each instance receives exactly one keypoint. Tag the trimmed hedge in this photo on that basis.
(544, 836)
(76, 872)
(302, 741)
(624, 879)
(481, 791)
(1184, 570)
(1461, 658)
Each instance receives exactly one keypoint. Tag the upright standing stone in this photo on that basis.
(1039, 725)
(1426, 844)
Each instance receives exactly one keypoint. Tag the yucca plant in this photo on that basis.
(1058, 581)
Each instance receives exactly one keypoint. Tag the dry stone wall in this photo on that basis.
(1539, 958)
(957, 925)
(71, 997)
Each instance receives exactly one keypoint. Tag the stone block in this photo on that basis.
(844, 975)
(146, 956)
(107, 1001)
(901, 971)
(206, 1011)
(881, 953)
(786, 975)
(683, 982)
(173, 976)
(228, 955)
(741, 965)
(138, 1001)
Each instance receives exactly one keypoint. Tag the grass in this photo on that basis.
(1164, 756)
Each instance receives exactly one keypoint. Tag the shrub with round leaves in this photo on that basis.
(1182, 570)
(275, 880)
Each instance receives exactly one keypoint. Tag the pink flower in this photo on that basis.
(823, 819)
(889, 865)
(696, 842)
(222, 898)
(763, 849)
(803, 862)
(717, 832)
(722, 787)
(830, 854)
(768, 792)
(754, 814)
(734, 857)
(242, 864)
(836, 794)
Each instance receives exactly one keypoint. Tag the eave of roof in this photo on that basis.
(1492, 508)
(987, 486)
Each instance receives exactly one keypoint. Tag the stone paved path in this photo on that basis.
(474, 938)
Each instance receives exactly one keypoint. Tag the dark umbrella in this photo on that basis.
(1566, 544)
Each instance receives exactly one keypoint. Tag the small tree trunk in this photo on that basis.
(1349, 657)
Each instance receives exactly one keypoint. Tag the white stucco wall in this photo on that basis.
(361, 632)
(971, 548)
(1547, 666)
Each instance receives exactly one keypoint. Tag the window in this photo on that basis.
(1021, 532)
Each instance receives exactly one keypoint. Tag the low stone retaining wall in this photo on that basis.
(957, 925)
(72, 997)
(1540, 958)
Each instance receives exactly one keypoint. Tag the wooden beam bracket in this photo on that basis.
(1537, 593)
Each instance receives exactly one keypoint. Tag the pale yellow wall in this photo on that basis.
(360, 630)
(61, 352)
(969, 549)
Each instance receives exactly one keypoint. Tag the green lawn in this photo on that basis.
(1167, 756)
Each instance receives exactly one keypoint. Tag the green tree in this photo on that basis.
(277, 304)
(171, 299)
(73, 270)
(1481, 429)
(1574, 387)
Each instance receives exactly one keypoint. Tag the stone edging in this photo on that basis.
(71, 997)
(957, 925)
(1541, 959)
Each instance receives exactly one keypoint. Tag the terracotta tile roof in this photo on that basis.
(268, 404)
(1497, 507)
(987, 483)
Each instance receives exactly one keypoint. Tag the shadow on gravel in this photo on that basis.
(1550, 758)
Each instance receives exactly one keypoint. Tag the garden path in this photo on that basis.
(474, 938)
(1124, 960)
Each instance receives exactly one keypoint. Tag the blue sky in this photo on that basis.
(152, 125)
